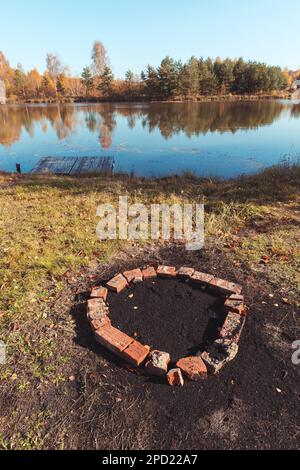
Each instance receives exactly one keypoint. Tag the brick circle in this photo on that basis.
(155, 362)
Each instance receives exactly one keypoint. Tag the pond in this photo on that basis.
(222, 139)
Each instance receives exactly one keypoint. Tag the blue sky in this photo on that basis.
(137, 32)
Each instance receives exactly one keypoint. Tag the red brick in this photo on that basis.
(166, 271)
(117, 283)
(136, 353)
(149, 273)
(134, 275)
(175, 378)
(113, 339)
(97, 324)
(201, 278)
(219, 354)
(225, 287)
(99, 293)
(233, 327)
(235, 303)
(158, 363)
(97, 309)
(193, 368)
(185, 273)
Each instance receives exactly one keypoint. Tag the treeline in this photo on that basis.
(171, 80)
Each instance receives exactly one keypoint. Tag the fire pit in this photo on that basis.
(194, 289)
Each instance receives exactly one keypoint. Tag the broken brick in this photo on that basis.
(167, 271)
(185, 273)
(113, 339)
(117, 283)
(158, 363)
(134, 275)
(97, 309)
(136, 353)
(99, 293)
(225, 287)
(193, 368)
(235, 303)
(175, 378)
(149, 273)
(201, 278)
(220, 353)
(233, 327)
(97, 324)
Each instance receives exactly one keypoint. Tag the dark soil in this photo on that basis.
(252, 404)
(169, 315)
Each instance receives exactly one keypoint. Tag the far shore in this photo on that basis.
(200, 99)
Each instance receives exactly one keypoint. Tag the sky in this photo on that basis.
(138, 32)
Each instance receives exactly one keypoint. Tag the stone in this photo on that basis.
(158, 363)
(97, 324)
(201, 278)
(185, 273)
(99, 293)
(136, 353)
(235, 304)
(175, 378)
(220, 353)
(97, 309)
(149, 273)
(224, 287)
(167, 271)
(193, 368)
(233, 327)
(117, 283)
(113, 339)
(135, 275)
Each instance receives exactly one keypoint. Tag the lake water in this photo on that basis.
(210, 139)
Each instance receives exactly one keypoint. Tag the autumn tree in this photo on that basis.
(48, 87)
(99, 59)
(33, 84)
(61, 84)
(54, 65)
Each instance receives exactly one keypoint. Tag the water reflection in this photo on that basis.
(192, 119)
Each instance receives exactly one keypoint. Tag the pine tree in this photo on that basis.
(87, 80)
(106, 79)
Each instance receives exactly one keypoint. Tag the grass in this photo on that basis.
(47, 236)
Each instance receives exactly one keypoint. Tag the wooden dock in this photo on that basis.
(74, 165)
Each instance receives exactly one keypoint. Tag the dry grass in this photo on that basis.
(47, 235)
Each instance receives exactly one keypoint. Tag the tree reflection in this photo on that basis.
(171, 119)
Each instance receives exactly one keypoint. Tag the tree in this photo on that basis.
(168, 77)
(48, 86)
(129, 77)
(33, 84)
(106, 79)
(152, 82)
(54, 65)
(20, 81)
(87, 80)
(207, 79)
(189, 79)
(99, 59)
(61, 84)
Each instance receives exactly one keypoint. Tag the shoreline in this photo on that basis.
(200, 99)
